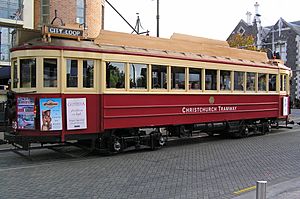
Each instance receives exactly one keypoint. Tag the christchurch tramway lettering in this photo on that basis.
(209, 109)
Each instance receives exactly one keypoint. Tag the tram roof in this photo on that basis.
(180, 43)
(179, 46)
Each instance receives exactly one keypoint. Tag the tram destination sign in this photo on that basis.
(62, 32)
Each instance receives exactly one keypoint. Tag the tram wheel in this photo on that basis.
(243, 130)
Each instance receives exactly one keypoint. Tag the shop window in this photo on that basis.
(225, 80)
(159, 77)
(50, 72)
(272, 82)
(88, 73)
(138, 76)
(15, 74)
(115, 75)
(45, 11)
(27, 73)
(239, 80)
(178, 78)
(72, 73)
(262, 79)
(210, 80)
(195, 79)
(80, 18)
(250, 82)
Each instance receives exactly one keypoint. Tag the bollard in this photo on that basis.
(261, 189)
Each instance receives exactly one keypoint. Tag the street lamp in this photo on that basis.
(157, 18)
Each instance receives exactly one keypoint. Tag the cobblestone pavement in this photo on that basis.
(211, 169)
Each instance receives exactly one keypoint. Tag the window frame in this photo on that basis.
(258, 82)
(46, 6)
(230, 78)
(57, 73)
(212, 80)
(255, 82)
(125, 75)
(161, 89)
(129, 77)
(173, 88)
(36, 73)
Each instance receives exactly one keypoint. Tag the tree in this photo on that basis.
(242, 41)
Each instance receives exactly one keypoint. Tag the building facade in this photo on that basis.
(282, 38)
(34, 14)
(85, 14)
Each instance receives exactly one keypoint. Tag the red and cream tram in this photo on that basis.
(108, 90)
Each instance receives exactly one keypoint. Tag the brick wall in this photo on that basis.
(66, 10)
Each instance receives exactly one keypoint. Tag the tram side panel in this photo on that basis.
(126, 111)
(93, 119)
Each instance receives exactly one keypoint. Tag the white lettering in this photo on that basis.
(209, 109)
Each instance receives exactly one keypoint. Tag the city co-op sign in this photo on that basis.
(53, 31)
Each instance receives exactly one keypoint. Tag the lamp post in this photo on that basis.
(157, 18)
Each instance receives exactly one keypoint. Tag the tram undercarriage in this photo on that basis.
(120, 140)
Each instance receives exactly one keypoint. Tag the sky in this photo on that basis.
(213, 19)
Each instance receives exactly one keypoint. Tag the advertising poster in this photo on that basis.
(76, 113)
(25, 113)
(285, 107)
(50, 114)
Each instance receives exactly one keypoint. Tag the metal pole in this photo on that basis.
(261, 189)
(121, 16)
(157, 19)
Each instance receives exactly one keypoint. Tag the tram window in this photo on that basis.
(239, 79)
(210, 80)
(88, 73)
(15, 74)
(250, 82)
(27, 73)
(272, 82)
(159, 77)
(195, 79)
(225, 80)
(178, 77)
(115, 75)
(282, 83)
(138, 76)
(50, 72)
(262, 79)
(72, 73)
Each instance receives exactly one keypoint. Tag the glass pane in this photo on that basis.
(45, 10)
(50, 72)
(225, 80)
(159, 77)
(282, 83)
(45, 19)
(88, 73)
(272, 82)
(79, 20)
(27, 73)
(80, 12)
(210, 80)
(72, 73)
(45, 2)
(239, 81)
(15, 74)
(195, 79)
(250, 82)
(80, 3)
(138, 76)
(262, 80)
(115, 75)
(178, 78)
